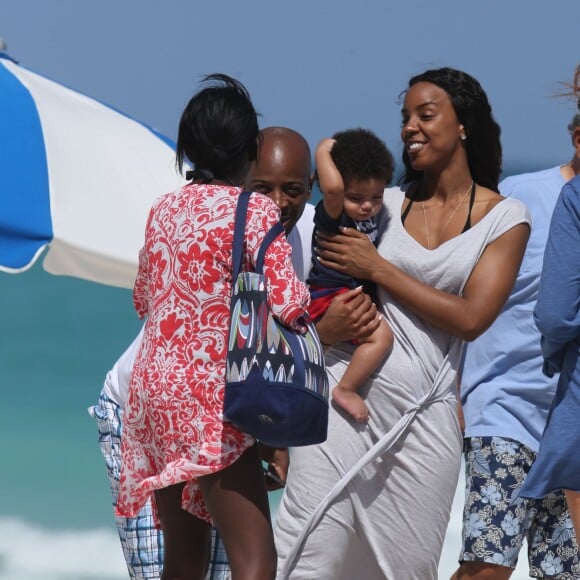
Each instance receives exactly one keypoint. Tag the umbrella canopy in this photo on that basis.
(77, 177)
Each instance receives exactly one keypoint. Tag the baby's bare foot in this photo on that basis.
(352, 403)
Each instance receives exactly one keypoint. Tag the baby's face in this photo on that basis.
(363, 198)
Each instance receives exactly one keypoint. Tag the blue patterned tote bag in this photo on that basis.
(276, 382)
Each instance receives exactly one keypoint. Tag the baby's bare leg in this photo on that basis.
(365, 359)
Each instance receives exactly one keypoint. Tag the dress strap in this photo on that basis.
(467, 225)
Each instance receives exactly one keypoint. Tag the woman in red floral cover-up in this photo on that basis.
(176, 445)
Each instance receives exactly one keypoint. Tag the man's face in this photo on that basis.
(282, 172)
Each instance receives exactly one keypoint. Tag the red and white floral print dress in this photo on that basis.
(173, 425)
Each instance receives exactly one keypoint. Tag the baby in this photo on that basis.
(353, 169)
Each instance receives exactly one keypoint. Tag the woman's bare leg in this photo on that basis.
(238, 502)
(187, 538)
(365, 359)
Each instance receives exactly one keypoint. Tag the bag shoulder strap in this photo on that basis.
(239, 229)
(238, 242)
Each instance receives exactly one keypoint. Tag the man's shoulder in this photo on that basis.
(300, 238)
(571, 191)
(307, 214)
(525, 185)
(305, 224)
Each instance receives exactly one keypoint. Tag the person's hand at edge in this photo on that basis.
(278, 460)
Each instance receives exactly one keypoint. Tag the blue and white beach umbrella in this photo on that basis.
(75, 176)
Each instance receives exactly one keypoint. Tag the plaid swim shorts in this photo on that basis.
(142, 543)
(496, 520)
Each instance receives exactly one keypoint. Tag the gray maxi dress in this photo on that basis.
(373, 501)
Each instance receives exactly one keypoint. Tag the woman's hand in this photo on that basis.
(350, 316)
(350, 252)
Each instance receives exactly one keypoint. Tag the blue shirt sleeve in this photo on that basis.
(557, 313)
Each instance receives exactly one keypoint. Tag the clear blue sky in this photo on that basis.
(315, 65)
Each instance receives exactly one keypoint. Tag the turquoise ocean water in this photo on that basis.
(59, 338)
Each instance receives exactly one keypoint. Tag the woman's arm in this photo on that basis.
(141, 287)
(287, 296)
(557, 312)
(465, 316)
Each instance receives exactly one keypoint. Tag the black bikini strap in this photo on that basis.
(467, 225)
(408, 208)
(406, 212)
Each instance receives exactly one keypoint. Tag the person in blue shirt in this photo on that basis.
(505, 400)
(557, 315)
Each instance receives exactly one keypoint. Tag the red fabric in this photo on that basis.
(319, 305)
(173, 428)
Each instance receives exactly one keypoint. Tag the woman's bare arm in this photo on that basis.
(465, 316)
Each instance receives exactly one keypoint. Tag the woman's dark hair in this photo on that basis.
(218, 130)
(483, 145)
(360, 154)
(573, 91)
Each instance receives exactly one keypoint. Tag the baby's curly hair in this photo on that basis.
(360, 154)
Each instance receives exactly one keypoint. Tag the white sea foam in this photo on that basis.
(29, 552)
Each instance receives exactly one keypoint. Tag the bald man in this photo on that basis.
(283, 173)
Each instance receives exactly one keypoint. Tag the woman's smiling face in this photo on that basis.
(431, 131)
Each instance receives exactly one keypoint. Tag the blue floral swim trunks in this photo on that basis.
(496, 520)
